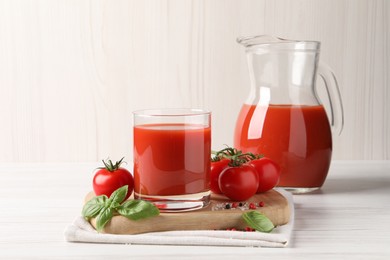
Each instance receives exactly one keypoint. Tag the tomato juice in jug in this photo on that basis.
(283, 117)
(297, 137)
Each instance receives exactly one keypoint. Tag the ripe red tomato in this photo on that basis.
(216, 169)
(111, 177)
(268, 172)
(239, 183)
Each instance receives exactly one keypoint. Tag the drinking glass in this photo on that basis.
(172, 149)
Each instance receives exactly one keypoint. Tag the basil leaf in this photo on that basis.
(118, 196)
(137, 209)
(103, 218)
(92, 208)
(258, 221)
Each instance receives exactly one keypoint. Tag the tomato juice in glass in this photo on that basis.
(172, 150)
(297, 137)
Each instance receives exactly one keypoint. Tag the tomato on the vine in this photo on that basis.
(216, 169)
(111, 177)
(268, 172)
(239, 183)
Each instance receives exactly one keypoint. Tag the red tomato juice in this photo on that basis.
(297, 137)
(171, 159)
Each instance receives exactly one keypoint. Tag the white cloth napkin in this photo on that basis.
(82, 231)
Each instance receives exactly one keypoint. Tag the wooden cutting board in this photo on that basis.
(275, 207)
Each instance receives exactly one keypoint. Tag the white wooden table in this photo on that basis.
(349, 218)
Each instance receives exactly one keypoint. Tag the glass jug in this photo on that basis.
(282, 117)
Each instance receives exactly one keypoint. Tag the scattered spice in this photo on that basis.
(246, 229)
(237, 205)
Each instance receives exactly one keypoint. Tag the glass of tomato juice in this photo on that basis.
(172, 149)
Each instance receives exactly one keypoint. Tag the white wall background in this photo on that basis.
(72, 71)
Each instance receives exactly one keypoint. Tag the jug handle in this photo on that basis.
(334, 96)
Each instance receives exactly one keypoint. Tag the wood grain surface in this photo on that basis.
(276, 208)
(349, 218)
(72, 71)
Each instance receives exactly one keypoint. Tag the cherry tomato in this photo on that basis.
(239, 183)
(216, 169)
(268, 172)
(111, 177)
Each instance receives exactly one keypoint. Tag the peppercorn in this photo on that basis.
(252, 205)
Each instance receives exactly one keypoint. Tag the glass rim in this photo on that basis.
(171, 112)
(267, 41)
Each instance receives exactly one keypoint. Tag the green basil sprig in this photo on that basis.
(103, 208)
(258, 221)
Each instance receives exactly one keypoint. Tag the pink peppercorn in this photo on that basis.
(252, 205)
(231, 229)
(249, 229)
(261, 204)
